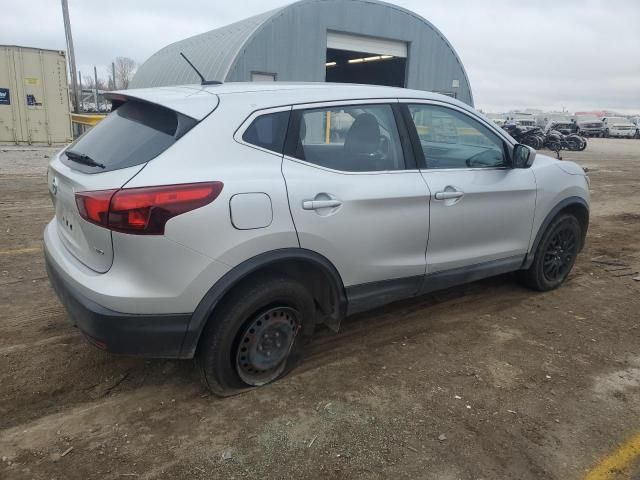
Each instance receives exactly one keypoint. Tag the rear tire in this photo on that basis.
(583, 146)
(256, 335)
(574, 145)
(555, 256)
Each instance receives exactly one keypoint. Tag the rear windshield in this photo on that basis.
(132, 134)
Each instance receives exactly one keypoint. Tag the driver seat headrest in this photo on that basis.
(363, 137)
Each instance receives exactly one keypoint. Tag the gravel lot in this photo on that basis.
(485, 381)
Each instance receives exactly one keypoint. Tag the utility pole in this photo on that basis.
(81, 99)
(113, 74)
(71, 57)
(95, 91)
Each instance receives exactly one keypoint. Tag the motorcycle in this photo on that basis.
(532, 137)
(556, 142)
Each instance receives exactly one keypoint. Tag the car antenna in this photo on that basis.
(202, 79)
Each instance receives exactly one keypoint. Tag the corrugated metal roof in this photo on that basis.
(290, 43)
(211, 52)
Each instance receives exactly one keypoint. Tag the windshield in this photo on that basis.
(618, 120)
(587, 119)
(134, 133)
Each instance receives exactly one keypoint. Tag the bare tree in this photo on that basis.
(125, 68)
(89, 82)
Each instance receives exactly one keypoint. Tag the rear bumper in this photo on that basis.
(158, 335)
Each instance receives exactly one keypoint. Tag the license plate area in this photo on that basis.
(68, 224)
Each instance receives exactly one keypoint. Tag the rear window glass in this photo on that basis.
(133, 134)
(268, 131)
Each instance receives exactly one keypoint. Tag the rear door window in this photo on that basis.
(134, 133)
(358, 138)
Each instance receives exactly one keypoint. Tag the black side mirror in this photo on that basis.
(523, 156)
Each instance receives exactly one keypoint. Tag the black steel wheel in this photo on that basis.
(555, 254)
(257, 334)
(265, 344)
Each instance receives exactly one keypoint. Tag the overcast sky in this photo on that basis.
(576, 54)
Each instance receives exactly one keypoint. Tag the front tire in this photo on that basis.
(257, 334)
(555, 256)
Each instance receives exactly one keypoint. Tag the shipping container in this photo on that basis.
(34, 96)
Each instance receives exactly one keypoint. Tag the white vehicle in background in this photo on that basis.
(589, 126)
(618, 127)
(525, 123)
(565, 127)
(636, 122)
(544, 118)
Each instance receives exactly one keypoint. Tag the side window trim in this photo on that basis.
(413, 136)
(408, 150)
(415, 139)
(291, 144)
(292, 147)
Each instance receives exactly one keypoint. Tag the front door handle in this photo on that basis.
(449, 194)
(317, 204)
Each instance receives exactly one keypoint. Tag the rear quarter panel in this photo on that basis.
(209, 153)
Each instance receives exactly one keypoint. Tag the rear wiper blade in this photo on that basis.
(83, 158)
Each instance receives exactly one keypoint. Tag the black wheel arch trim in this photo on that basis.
(567, 202)
(242, 271)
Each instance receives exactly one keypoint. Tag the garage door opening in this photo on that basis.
(361, 59)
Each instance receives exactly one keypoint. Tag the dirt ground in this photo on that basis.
(485, 381)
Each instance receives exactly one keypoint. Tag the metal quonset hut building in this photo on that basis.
(355, 41)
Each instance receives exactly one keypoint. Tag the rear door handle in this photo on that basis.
(316, 204)
(446, 195)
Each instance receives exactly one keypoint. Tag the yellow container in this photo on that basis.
(34, 96)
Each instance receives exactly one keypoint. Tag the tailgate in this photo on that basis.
(89, 243)
(109, 155)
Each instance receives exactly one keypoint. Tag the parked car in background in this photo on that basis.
(636, 122)
(225, 222)
(542, 119)
(526, 123)
(565, 127)
(618, 127)
(589, 126)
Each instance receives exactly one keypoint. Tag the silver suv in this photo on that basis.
(226, 222)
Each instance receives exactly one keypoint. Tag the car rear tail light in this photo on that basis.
(146, 210)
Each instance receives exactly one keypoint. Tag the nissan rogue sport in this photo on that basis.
(226, 222)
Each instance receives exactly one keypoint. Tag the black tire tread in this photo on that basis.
(533, 277)
(227, 319)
